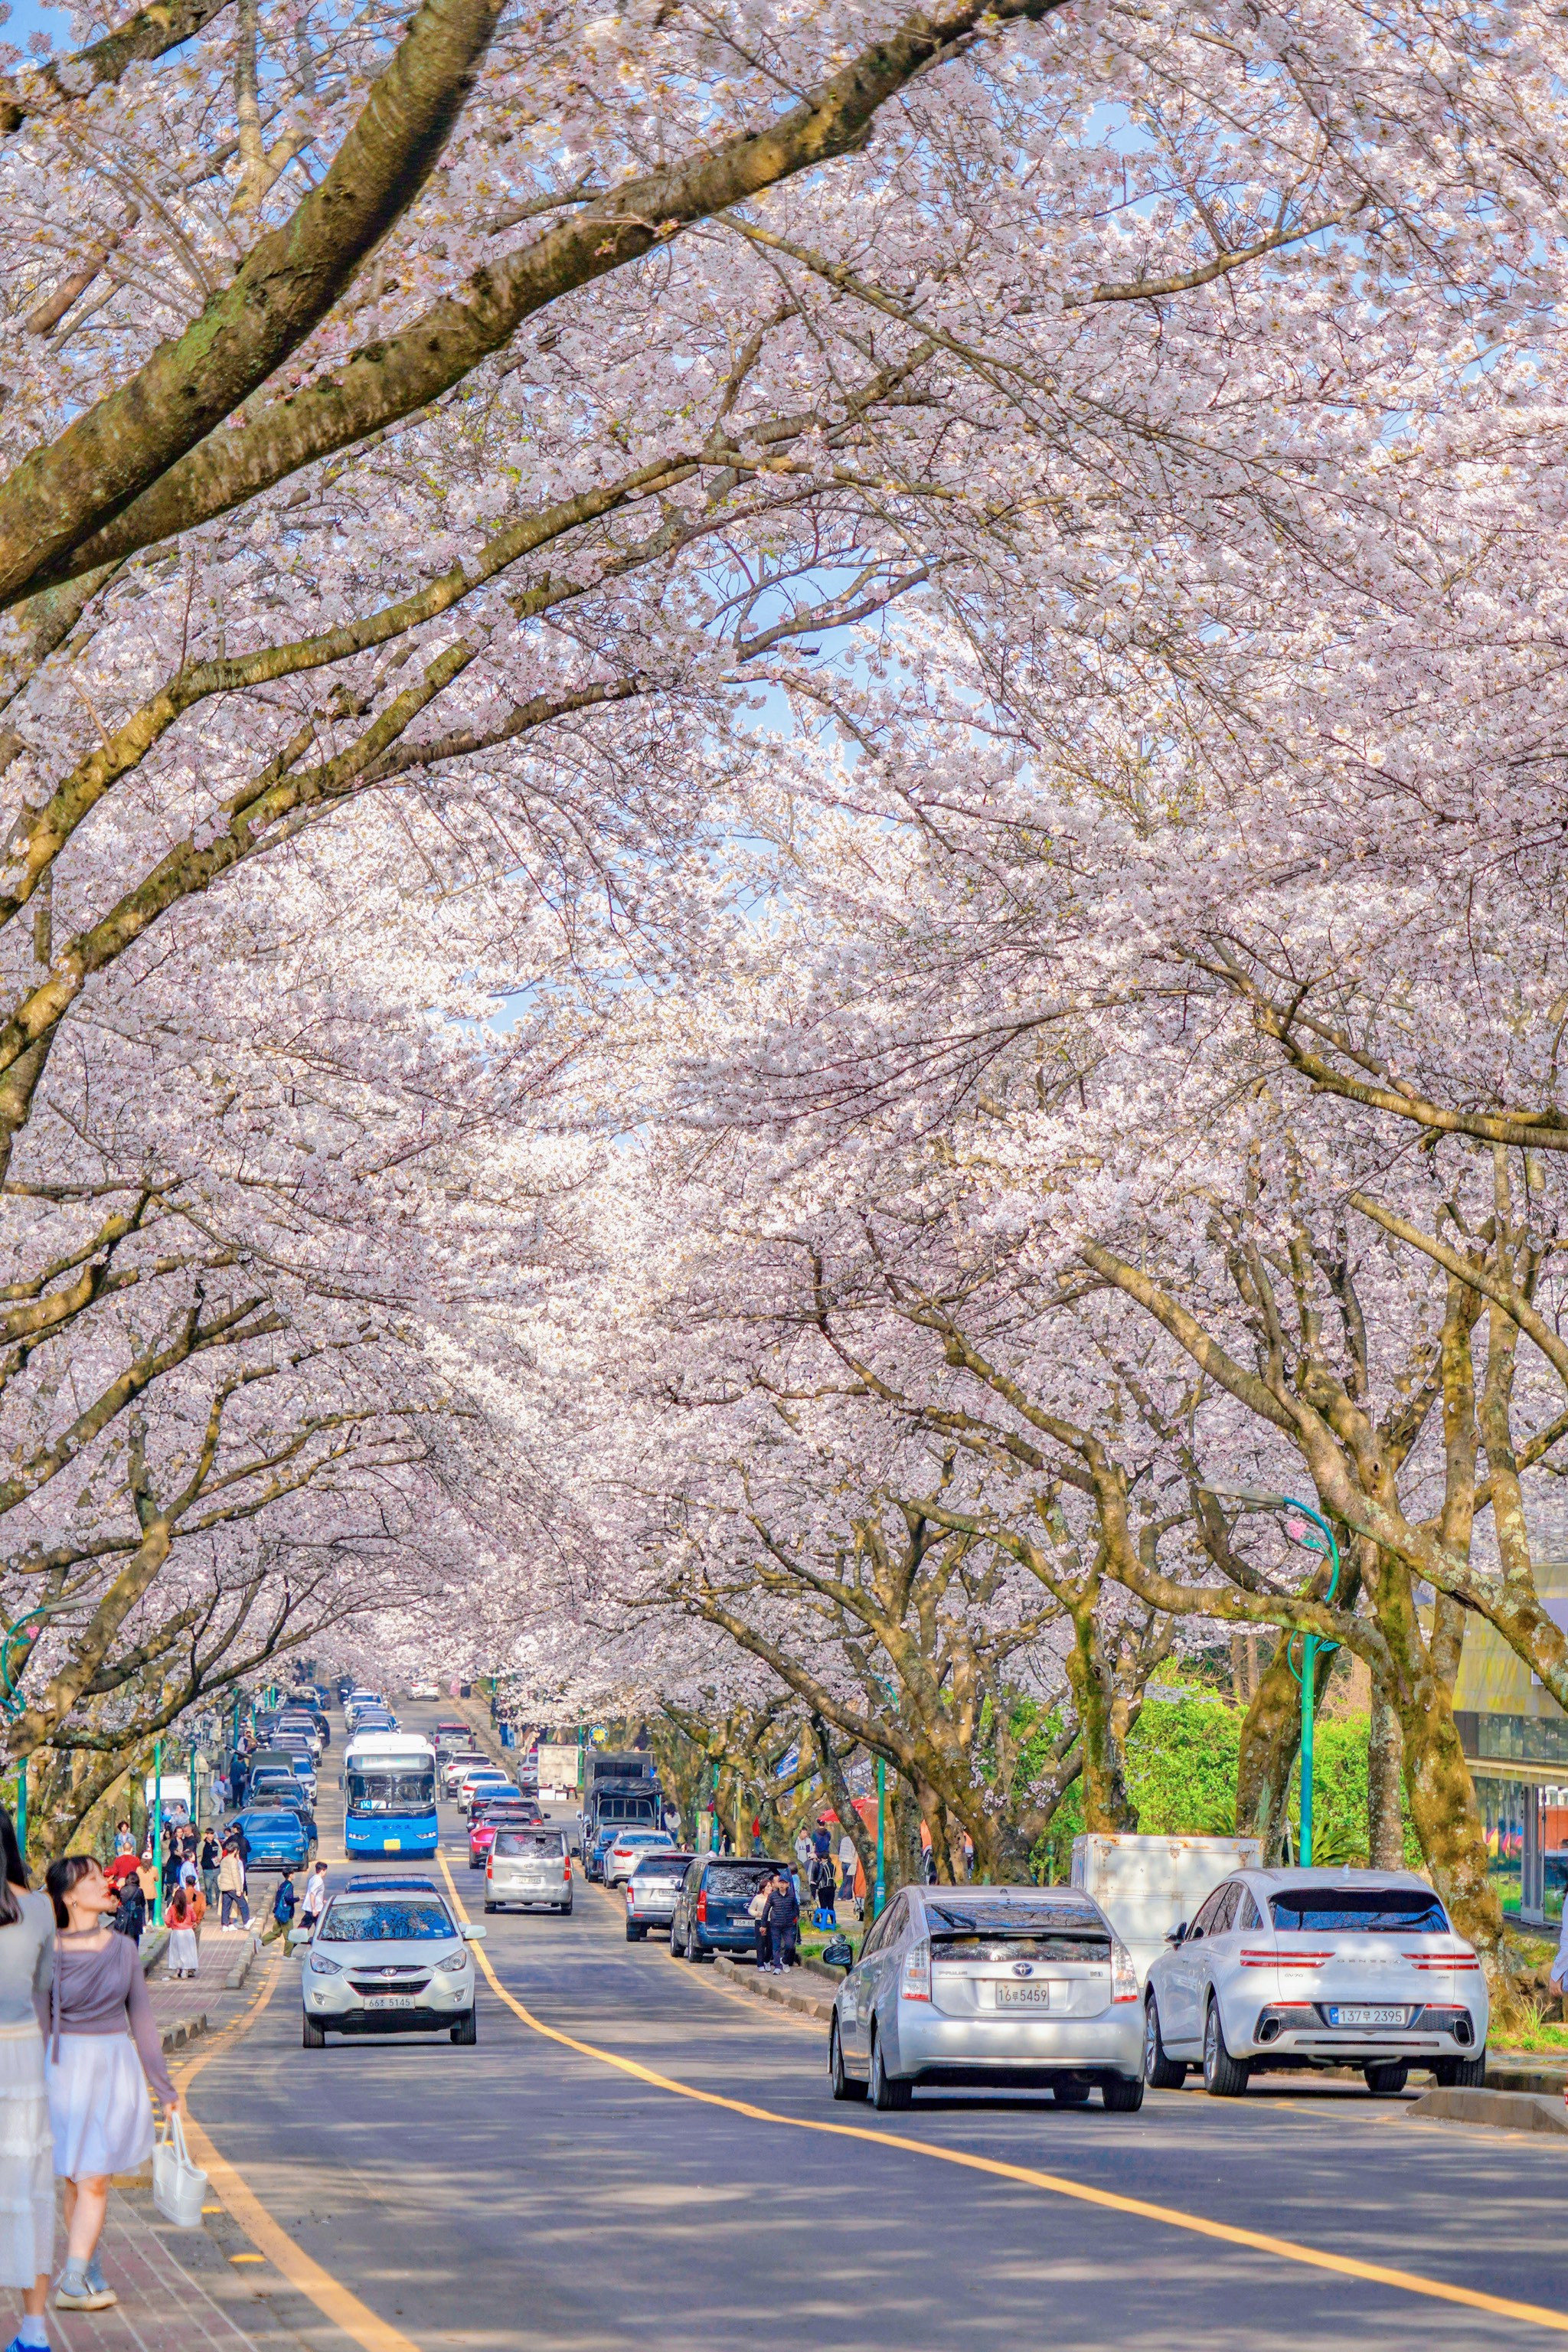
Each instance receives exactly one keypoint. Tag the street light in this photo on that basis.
(1318, 1536)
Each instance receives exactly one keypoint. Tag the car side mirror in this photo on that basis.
(1178, 1933)
(299, 1935)
(472, 1933)
(839, 1953)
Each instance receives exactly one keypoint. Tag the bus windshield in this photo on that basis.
(389, 1791)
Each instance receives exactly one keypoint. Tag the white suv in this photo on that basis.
(1297, 1968)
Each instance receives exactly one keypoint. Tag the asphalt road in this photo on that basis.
(523, 2195)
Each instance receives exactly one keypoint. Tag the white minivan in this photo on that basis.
(1285, 1969)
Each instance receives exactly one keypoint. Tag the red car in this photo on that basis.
(515, 1812)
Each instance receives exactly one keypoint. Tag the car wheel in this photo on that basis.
(887, 2093)
(1224, 2076)
(1386, 2079)
(314, 2035)
(489, 1908)
(635, 1934)
(692, 1953)
(842, 2086)
(1123, 2094)
(1160, 2074)
(1070, 2094)
(1459, 2073)
(467, 2029)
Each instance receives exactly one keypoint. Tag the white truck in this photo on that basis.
(1146, 1885)
(557, 1768)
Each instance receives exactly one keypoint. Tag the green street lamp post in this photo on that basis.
(1313, 1533)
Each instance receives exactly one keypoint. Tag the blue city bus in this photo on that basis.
(389, 1792)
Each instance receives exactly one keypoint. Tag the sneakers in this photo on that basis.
(83, 2288)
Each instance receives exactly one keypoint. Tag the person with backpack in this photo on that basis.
(283, 1903)
(26, 2143)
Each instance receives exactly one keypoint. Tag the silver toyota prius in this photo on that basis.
(1004, 1985)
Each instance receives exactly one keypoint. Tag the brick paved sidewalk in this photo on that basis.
(162, 2307)
(177, 1998)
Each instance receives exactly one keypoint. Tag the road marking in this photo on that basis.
(1255, 2241)
(343, 2307)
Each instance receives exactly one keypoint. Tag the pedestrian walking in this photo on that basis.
(211, 1857)
(824, 1890)
(283, 1903)
(184, 1944)
(780, 1919)
(848, 1860)
(26, 2144)
(103, 2052)
(236, 1910)
(315, 1901)
(821, 1841)
(131, 1919)
(125, 1841)
(803, 1853)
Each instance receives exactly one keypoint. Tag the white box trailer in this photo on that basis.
(558, 1768)
(1146, 1885)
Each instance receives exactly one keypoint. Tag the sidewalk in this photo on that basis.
(177, 1999)
(162, 2307)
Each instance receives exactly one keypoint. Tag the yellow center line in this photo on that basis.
(1288, 2250)
(345, 2309)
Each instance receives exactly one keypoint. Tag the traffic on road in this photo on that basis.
(978, 2031)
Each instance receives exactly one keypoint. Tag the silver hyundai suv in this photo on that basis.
(387, 1957)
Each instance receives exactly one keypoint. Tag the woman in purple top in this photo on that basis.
(98, 2105)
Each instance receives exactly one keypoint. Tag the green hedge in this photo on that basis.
(1181, 1763)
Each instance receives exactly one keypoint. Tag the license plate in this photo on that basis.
(395, 1845)
(390, 2000)
(1025, 1996)
(1362, 2015)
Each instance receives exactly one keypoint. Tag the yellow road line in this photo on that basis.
(345, 2309)
(1288, 2250)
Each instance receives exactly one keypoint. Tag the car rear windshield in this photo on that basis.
(626, 1808)
(399, 1919)
(1358, 1910)
(662, 1869)
(526, 1841)
(737, 1881)
(991, 1931)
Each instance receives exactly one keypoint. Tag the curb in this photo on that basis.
(803, 2004)
(183, 2029)
(1502, 2110)
(241, 1968)
(1525, 2073)
(150, 1951)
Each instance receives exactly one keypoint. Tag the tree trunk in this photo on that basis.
(1270, 1742)
(1107, 1807)
(1384, 1784)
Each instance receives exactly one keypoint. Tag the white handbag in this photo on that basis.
(179, 2187)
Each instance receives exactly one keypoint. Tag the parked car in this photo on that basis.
(530, 1867)
(595, 1850)
(279, 1836)
(710, 1913)
(626, 1850)
(1304, 1969)
(388, 1957)
(281, 1782)
(655, 1883)
(989, 1985)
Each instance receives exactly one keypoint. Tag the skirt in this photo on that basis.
(27, 2166)
(183, 1950)
(98, 2105)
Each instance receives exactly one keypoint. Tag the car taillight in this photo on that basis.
(490, 1870)
(915, 1982)
(566, 1870)
(703, 1906)
(1123, 1974)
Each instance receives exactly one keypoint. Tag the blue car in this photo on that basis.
(280, 1837)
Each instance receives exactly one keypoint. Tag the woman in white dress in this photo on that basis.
(26, 2150)
(98, 2074)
